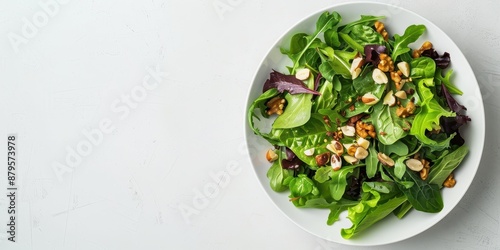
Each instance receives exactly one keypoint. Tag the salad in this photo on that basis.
(363, 121)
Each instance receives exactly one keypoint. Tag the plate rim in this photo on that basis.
(276, 43)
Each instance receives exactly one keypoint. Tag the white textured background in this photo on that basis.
(76, 69)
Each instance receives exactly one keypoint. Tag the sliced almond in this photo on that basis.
(350, 159)
(336, 147)
(336, 162)
(414, 164)
(379, 76)
(369, 99)
(302, 74)
(361, 153)
(309, 152)
(356, 67)
(271, 155)
(362, 142)
(389, 99)
(355, 73)
(401, 94)
(348, 130)
(404, 67)
(384, 159)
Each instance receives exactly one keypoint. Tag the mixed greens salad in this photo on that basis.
(362, 122)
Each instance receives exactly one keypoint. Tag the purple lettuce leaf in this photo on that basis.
(451, 125)
(452, 103)
(287, 83)
(372, 53)
(292, 161)
(289, 154)
(316, 82)
(441, 61)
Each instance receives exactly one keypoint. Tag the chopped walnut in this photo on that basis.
(380, 28)
(425, 46)
(386, 64)
(424, 173)
(275, 106)
(406, 111)
(450, 181)
(364, 130)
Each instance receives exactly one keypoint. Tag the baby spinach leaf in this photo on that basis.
(277, 175)
(310, 135)
(399, 148)
(445, 165)
(364, 20)
(422, 67)
(364, 35)
(423, 196)
(411, 34)
(297, 111)
(384, 119)
(332, 38)
(301, 186)
(364, 83)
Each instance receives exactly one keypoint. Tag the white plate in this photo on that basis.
(390, 229)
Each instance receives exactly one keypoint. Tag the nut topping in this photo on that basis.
(414, 165)
(379, 77)
(384, 159)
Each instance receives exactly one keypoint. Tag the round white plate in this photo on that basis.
(390, 229)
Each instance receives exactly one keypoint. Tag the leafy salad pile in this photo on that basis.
(362, 122)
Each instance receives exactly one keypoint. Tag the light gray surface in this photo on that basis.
(76, 70)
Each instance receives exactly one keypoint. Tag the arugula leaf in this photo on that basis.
(336, 64)
(339, 181)
(371, 161)
(352, 43)
(402, 210)
(325, 22)
(322, 174)
(327, 98)
(412, 33)
(445, 165)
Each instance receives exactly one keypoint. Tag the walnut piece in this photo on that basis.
(275, 106)
(380, 28)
